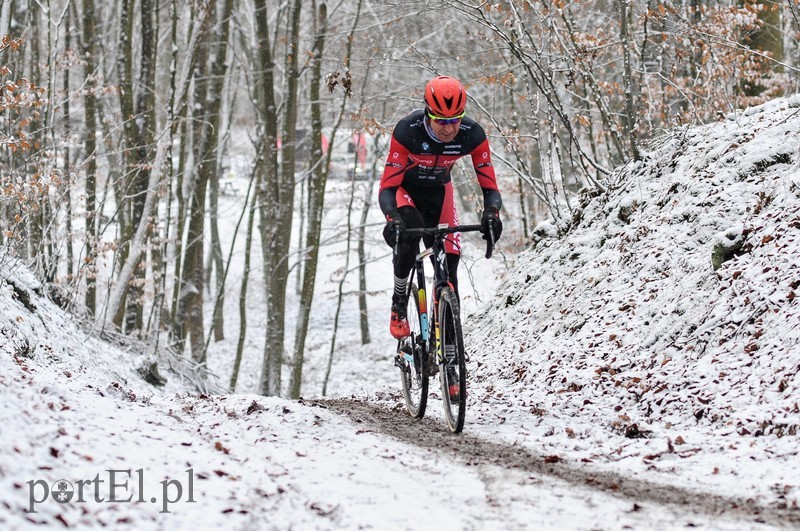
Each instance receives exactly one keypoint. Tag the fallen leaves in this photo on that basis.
(218, 446)
(254, 407)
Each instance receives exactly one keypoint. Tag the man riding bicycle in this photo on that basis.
(416, 190)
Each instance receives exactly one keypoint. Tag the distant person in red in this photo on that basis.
(416, 190)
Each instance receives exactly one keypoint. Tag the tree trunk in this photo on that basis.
(276, 226)
(316, 201)
(243, 290)
(33, 238)
(145, 131)
(269, 382)
(124, 186)
(90, 148)
(176, 316)
(203, 133)
(219, 71)
(68, 162)
(363, 315)
(631, 112)
(137, 104)
(215, 262)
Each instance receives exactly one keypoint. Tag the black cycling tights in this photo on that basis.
(408, 247)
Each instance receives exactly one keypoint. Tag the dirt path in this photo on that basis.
(470, 450)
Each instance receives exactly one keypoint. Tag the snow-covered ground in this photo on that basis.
(617, 381)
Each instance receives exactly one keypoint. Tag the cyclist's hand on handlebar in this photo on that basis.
(394, 225)
(491, 217)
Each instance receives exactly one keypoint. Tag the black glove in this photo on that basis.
(394, 223)
(491, 216)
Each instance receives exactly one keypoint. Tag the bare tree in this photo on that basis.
(277, 196)
(316, 199)
(90, 148)
(209, 75)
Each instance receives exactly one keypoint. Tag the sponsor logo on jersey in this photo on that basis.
(427, 162)
(426, 146)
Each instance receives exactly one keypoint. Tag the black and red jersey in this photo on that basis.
(418, 161)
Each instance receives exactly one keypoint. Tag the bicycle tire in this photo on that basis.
(413, 373)
(453, 366)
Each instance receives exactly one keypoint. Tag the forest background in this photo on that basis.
(122, 123)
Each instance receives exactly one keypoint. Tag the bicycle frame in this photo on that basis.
(441, 278)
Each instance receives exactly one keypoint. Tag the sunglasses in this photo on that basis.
(440, 120)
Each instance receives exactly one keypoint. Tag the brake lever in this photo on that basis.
(490, 242)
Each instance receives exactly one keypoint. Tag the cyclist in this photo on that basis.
(416, 190)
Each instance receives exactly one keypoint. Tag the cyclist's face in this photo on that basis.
(445, 133)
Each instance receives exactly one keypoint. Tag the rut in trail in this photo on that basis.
(432, 435)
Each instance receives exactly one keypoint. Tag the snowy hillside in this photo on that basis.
(624, 327)
(639, 372)
(628, 305)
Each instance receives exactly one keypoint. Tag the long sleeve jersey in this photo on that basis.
(418, 160)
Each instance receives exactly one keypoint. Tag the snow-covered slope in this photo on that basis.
(661, 334)
(628, 306)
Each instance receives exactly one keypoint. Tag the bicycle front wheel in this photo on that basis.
(413, 361)
(453, 375)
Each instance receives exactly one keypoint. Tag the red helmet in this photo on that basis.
(445, 96)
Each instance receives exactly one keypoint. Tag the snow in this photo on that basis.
(617, 380)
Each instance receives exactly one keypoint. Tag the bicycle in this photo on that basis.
(443, 317)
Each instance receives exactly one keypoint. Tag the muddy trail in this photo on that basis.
(430, 434)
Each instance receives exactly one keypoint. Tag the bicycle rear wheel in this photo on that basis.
(453, 375)
(413, 361)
